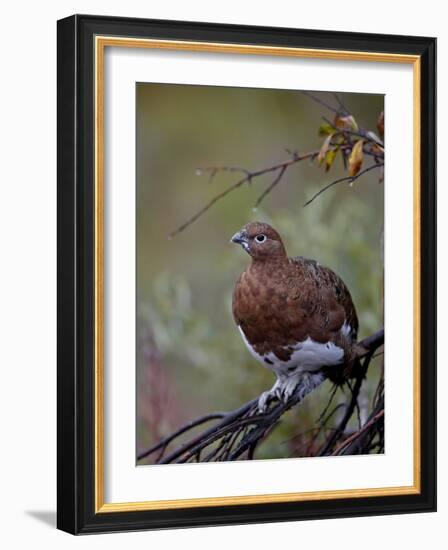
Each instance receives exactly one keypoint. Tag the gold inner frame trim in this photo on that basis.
(101, 42)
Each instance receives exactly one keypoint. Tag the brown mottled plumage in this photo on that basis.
(295, 315)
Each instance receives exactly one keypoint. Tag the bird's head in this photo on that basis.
(261, 241)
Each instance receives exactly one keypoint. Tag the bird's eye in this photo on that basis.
(260, 238)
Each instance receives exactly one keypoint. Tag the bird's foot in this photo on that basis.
(289, 386)
(299, 385)
(264, 400)
(283, 389)
(267, 396)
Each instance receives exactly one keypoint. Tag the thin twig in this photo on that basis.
(349, 179)
(271, 186)
(204, 209)
(342, 107)
(320, 102)
(327, 406)
(213, 170)
(360, 432)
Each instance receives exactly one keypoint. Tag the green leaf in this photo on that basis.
(325, 129)
(329, 158)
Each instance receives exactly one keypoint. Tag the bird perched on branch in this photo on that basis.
(294, 315)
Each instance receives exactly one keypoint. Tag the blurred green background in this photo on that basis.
(190, 357)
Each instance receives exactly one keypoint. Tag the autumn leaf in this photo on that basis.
(380, 124)
(329, 158)
(324, 149)
(355, 159)
(378, 150)
(345, 122)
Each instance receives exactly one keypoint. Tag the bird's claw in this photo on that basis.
(278, 392)
(264, 400)
(282, 391)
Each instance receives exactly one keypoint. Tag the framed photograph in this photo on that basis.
(244, 215)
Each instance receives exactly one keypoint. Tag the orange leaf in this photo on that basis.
(380, 124)
(345, 122)
(355, 159)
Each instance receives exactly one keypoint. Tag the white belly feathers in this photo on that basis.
(307, 356)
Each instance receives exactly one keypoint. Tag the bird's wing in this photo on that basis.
(327, 300)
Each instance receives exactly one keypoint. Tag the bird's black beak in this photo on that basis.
(241, 238)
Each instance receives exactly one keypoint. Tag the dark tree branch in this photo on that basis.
(353, 404)
(338, 432)
(164, 443)
(240, 431)
(280, 168)
(246, 179)
(348, 442)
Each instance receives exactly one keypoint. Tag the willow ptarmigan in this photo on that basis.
(294, 315)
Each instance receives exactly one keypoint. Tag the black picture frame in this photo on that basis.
(76, 254)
